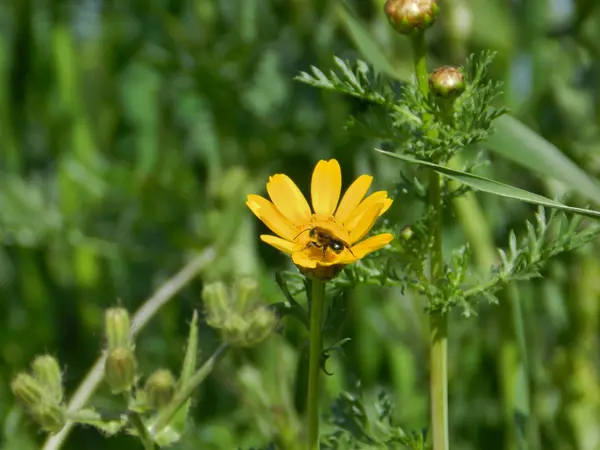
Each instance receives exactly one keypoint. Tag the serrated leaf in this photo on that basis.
(490, 186)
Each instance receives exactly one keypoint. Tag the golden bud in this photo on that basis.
(117, 328)
(160, 388)
(47, 371)
(447, 81)
(119, 369)
(411, 16)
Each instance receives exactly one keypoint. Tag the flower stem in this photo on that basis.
(438, 324)
(438, 333)
(314, 364)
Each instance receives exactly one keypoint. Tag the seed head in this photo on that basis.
(411, 16)
(447, 81)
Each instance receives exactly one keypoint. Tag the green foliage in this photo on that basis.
(131, 133)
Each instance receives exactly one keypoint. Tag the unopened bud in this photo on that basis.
(160, 388)
(246, 290)
(50, 416)
(119, 369)
(217, 301)
(447, 81)
(117, 328)
(411, 16)
(47, 371)
(28, 390)
(240, 316)
(406, 233)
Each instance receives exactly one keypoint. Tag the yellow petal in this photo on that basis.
(353, 196)
(279, 244)
(378, 197)
(365, 223)
(288, 199)
(272, 218)
(326, 186)
(302, 259)
(386, 205)
(367, 246)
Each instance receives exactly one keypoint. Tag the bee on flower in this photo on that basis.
(323, 240)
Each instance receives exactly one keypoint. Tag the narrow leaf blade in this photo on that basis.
(490, 186)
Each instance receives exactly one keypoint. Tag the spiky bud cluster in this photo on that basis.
(42, 393)
(120, 364)
(447, 81)
(237, 313)
(411, 16)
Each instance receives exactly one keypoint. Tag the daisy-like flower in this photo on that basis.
(323, 240)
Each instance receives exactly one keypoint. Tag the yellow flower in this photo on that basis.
(325, 239)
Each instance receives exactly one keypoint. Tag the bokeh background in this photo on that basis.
(130, 133)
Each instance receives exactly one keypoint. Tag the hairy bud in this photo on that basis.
(50, 416)
(119, 369)
(447, 81)
(411, 16)
(160, 388)
(47, 371)
(28, 390)
(239, 315)
(117, 328)
(38, 399)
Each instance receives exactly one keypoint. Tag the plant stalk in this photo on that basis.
(136, 421)
(438, 322)
(314, 363)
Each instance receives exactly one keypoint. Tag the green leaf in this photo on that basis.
(512, 140)
(517, 142)
(483, 184)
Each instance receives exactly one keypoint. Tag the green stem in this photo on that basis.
(438, 333)
(438, 322)
(419, 56)
(314, 364)
(136, 421)
(184, 393)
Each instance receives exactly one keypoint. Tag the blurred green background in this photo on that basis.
(130, 133)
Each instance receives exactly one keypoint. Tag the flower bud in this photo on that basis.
(47, 371)
(28, 390)
(406, 233)
(119, 369)
(246, 289)
(117, 328)
(160, 388)
(240, 316)
(50, 416)
(411, 16)
(217, 301)
(447, 81)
